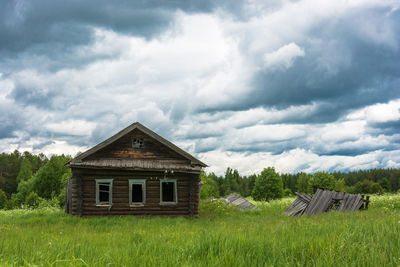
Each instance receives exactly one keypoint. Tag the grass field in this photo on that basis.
(220, 237)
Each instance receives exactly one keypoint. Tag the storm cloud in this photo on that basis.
(299, 85)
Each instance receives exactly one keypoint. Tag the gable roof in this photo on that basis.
(145, 130)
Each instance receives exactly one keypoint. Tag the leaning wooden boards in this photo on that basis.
(323, 201)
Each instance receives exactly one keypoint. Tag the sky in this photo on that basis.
(308, 85)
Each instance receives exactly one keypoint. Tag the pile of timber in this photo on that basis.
(238, 200)
(326, 200)
(235, 200)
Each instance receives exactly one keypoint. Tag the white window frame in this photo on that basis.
(104, 181)
(169, 203)
(142, 182)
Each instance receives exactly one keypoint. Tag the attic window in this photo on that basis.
(137, 143)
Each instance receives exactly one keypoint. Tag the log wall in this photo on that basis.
(84, 193)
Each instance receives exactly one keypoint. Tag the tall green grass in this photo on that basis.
(221, 236)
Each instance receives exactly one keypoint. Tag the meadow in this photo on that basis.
(221, 236)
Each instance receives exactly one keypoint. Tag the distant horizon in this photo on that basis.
(231, 167)
(299, 86)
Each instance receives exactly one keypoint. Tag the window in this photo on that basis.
(104, 191)
(137, 192)
(137, 143)
(168, 193)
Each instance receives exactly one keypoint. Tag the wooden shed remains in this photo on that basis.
(134, 172)
(326, 200)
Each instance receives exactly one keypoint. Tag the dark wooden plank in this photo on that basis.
(298, 209)
(357, 203)
(349, 202)
(314, 202)
(293, 204)
(345, 201)
(324, 202)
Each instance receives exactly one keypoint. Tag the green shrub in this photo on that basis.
(268, 185)
(24, 188)
(61, 198)
(48, 203)
(11, 204)
(384, 183)
(209, 187)
(215, 208)
(367, 187)
(287, 192)
(32, 200)
(340, 185)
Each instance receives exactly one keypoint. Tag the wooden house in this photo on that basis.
(134, 172)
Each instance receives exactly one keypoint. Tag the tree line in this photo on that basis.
(28, 180)
(270, 185)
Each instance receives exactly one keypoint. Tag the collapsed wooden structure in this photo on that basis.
(234, 200)
(325, 200)
(238, 200)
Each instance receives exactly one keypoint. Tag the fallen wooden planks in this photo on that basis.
(238, 200)
(235, 200)
(298, 206)
(323, 201)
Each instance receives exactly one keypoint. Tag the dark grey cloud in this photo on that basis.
(51, 26)
(388, 128)
(348, 151)
(41, 145)
(344, 70)
(11, 119)
(352, 87)
(39, 97)
(273, 147)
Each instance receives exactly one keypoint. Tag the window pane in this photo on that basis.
(104, 196)
(137, 193)
(168, 193)
(104, 187)
(104, 192)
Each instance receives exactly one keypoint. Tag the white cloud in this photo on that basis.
(296, 160)
(62, 147)
(6, 86)
(284, 56)
(383, 112)
(341, 131)
(72, 127)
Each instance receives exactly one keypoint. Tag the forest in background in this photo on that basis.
(28, 180)
(275, 185)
